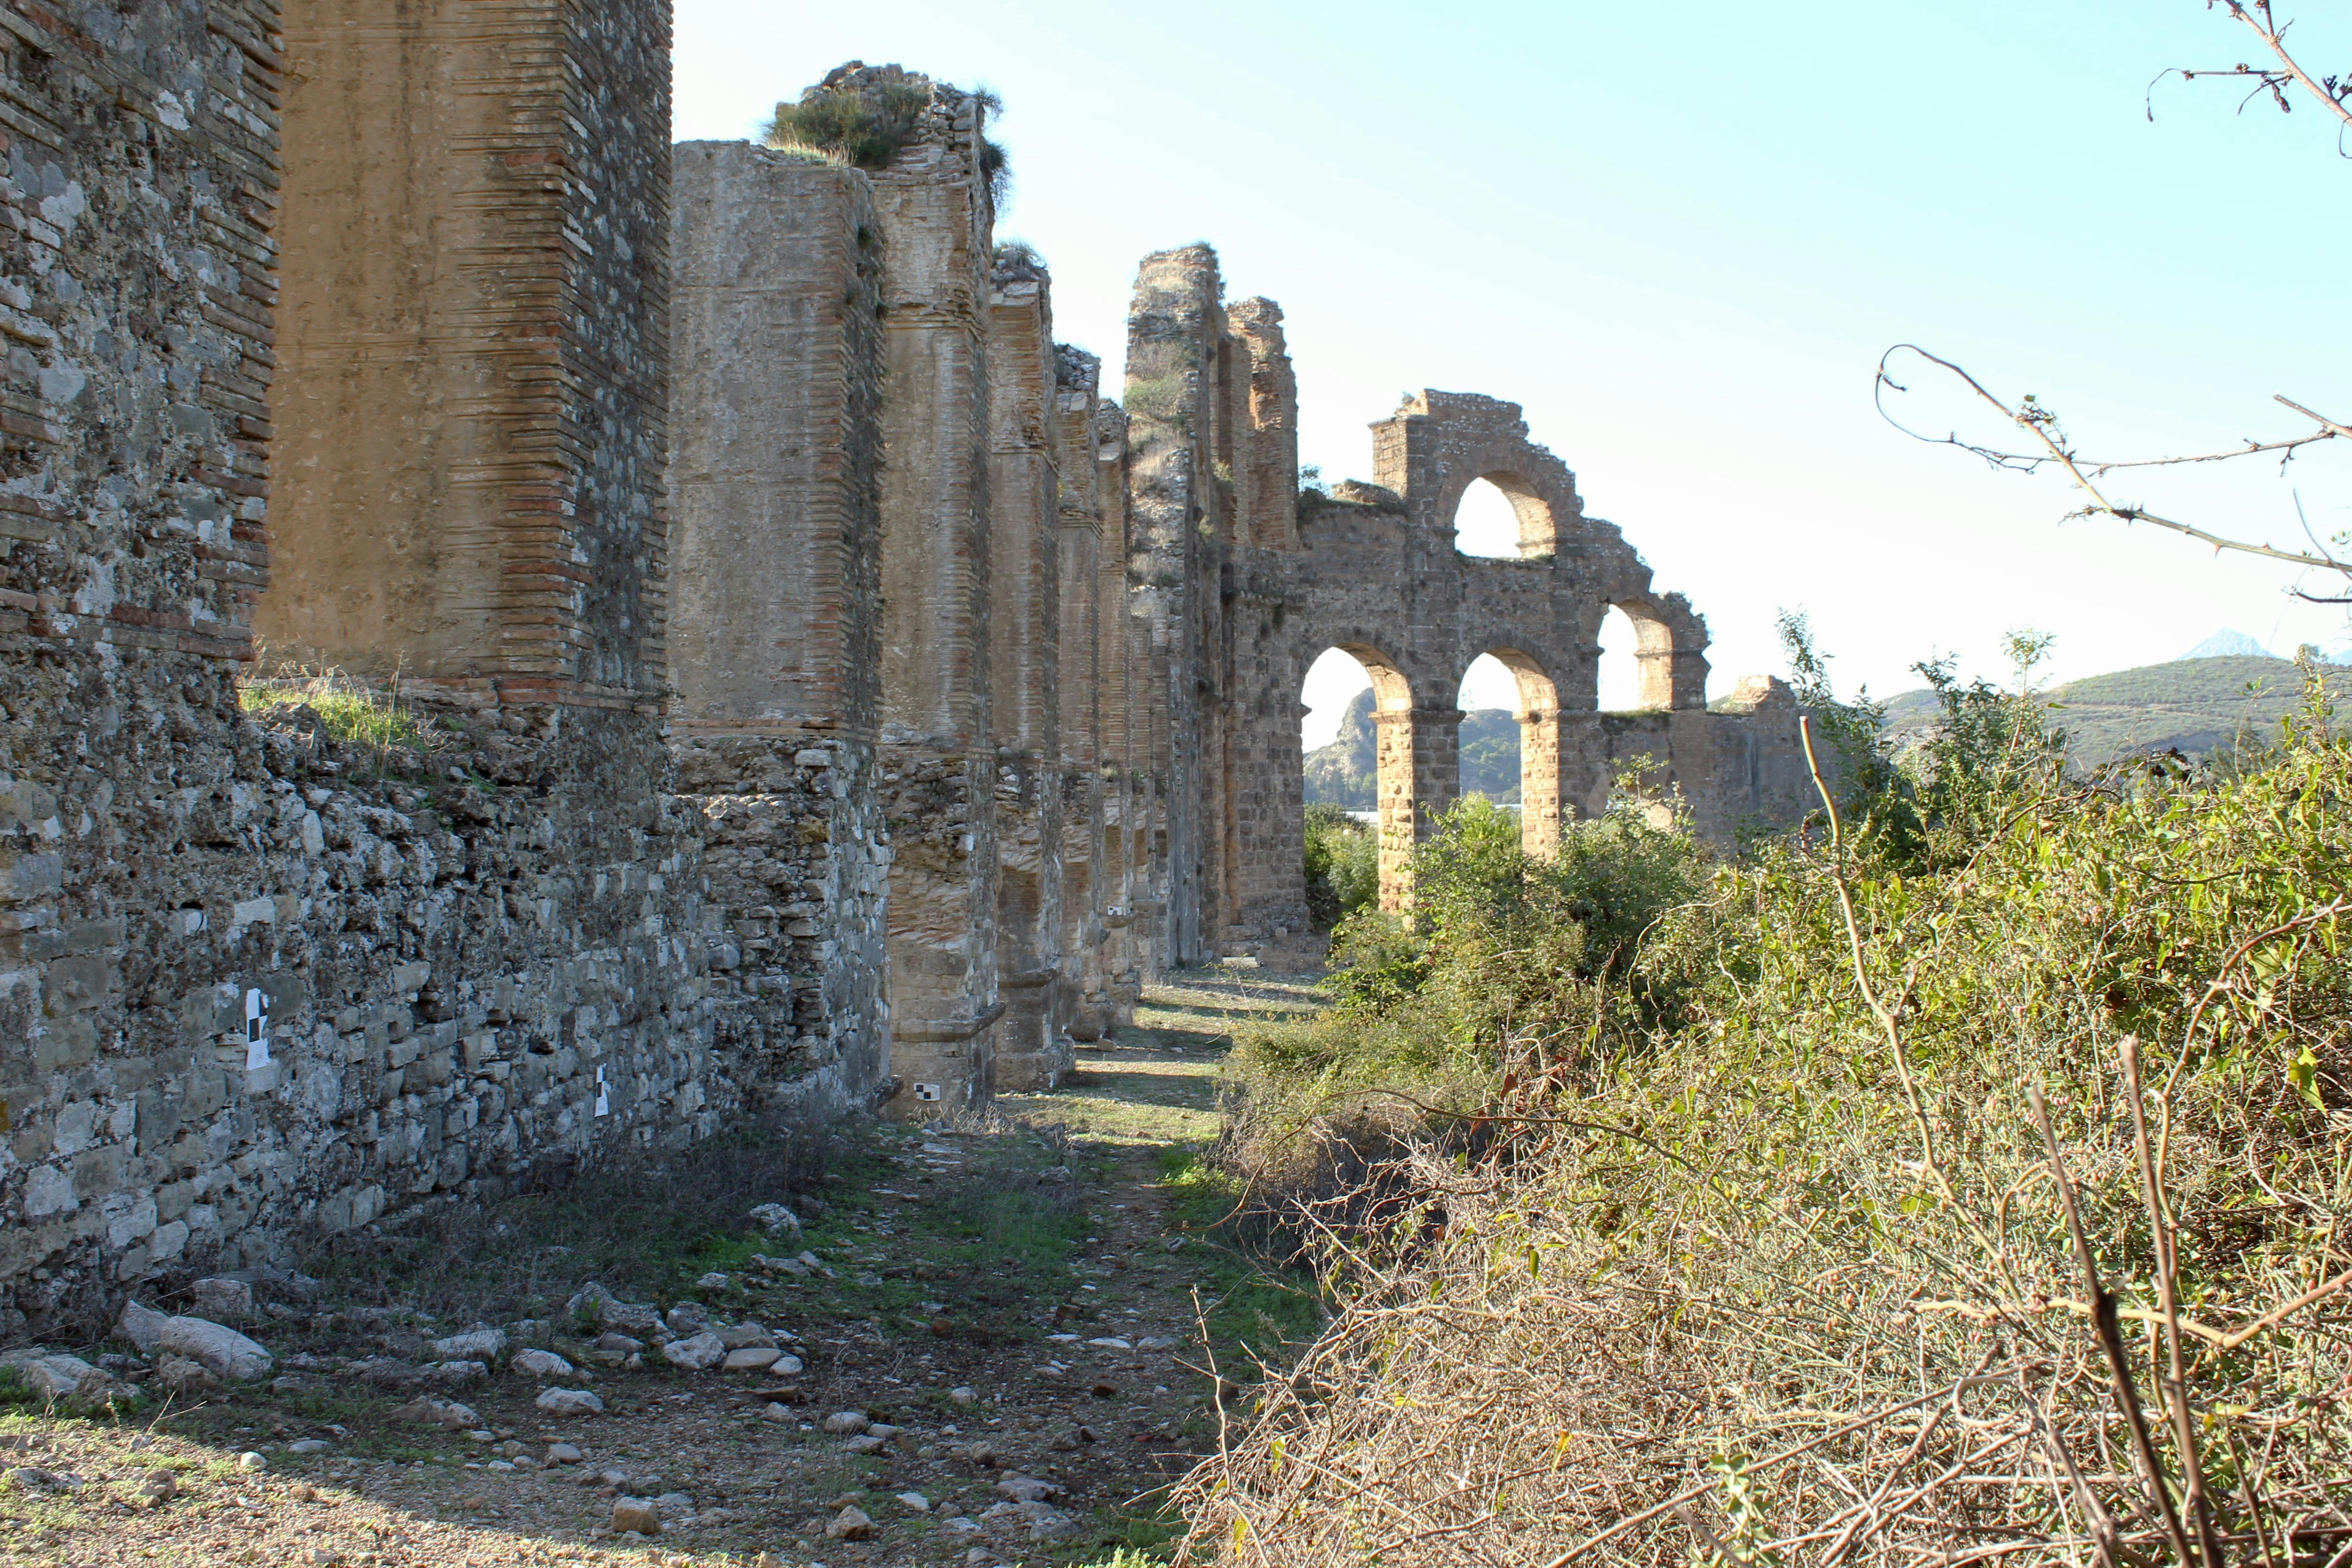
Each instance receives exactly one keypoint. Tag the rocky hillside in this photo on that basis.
(2193, 706)
(1344, 772)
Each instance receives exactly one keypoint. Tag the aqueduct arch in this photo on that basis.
(1376, 568)
(1537, 712)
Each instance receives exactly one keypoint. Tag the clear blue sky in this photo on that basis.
(1681, 236)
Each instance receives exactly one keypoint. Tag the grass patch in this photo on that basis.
(1258, 1312)
(351, 714)
(385, 733)
(990, 1239)
(1137, 1551)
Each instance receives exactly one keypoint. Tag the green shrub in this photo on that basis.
(1343, 865)
(1507, 953)
(864, 130)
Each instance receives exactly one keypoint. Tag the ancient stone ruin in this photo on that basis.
(801, 688)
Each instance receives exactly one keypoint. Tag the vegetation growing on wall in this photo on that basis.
(865, 122)
(378, 724)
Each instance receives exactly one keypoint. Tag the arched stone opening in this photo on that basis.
(1413, 755)
(1488, 696)
(1621, 676)
(1537, 711)
(1669, 652)
(1484, 524)
(1499, 515)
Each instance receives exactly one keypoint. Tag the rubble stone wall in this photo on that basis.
(255, 982)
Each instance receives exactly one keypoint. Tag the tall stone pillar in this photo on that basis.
(774, 477)
(933, 219)
(1083, 1003)
(1025, 634)
(1266, 870)
(1120, 695)
(1173, 392)
(1420, 752)
(1159, 832)
(1269, 470)
(1544, 796)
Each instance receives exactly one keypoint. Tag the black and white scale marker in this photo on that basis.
(256, 1028)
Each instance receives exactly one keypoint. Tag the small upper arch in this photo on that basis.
(1670, 648)
(1536, 533)
(1392, 689)
(1538, 694)
(1438, 444)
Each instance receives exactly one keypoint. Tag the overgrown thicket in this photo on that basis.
(1964, 1180)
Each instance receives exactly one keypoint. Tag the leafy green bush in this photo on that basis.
(1506, 953)
(1343, 865)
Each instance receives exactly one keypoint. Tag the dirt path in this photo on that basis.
(1016, 1302)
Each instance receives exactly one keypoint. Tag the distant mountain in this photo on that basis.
(2226, 645)
(1346, 773)
(2203, 703)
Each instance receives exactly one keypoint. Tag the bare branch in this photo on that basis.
(2040, 422)
(2274, 82)
(2334, 92)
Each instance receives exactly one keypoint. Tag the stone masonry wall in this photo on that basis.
(775, 476)
(254, 983)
